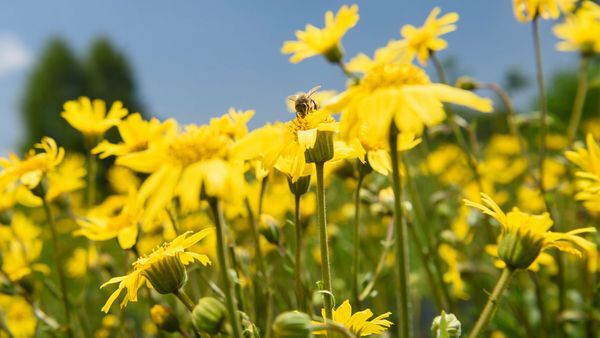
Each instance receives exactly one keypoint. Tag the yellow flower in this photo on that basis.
(183, 165)
(124, 225)
(90, 117)
(544, 259)
(32, 168)
(20, 248)
(69, 176)
(449, 163)
(588, 177)
(527, 10)
(19, 316)
(579, 31)
(525, 236)
(122, 180)
(424, 40)
(451, 257)
(233, 123)
(78, 265)
(359, 323)
(326, 41)
(174, 249)
(136, 134)
(399, 93)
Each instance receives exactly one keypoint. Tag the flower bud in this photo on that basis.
(301, 186)
(292, 324)
(162, 316)
(167, 275)
(270, 229)
(209, 315)
(519, 248)
(323, 148)
(466, 83)
(446, 325)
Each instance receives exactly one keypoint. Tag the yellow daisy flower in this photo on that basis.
(142, 266)
(527, 10)
(90, 117)
(19, 316)
(326, 41)
(68, 177)
(359, 323)
(588, 177)
(525, 236)
(580, 31)
(422, 41)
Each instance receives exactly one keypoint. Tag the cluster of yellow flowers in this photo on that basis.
(162, 196)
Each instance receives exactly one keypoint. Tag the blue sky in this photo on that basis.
(195, 59)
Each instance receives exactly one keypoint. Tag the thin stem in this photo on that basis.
(356, 240)
(325, 265)
(381, 263)
(230, 300)
(402, 268)
(59, 265)
(185, 299)
(582, 85)
(539, 297)
(256, 239)
(92, 175)
(492, 304)
(298, 260)
(542, 101)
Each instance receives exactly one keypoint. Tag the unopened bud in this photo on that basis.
(292, 324)
(162, 316)
(209, 315)
(446, 325)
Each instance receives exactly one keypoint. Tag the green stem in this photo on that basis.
(256, 239)
(539, 297)
(59, 265)
(185, 299)
(92, 175)
(300, 302)
(400, 235)
(542, 101)
(582, 85)
(387, 245)
(325, 265)
(492, 304)
(230, 300)
(356, 240)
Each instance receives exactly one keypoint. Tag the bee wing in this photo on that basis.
(293, 98)
(313, 90)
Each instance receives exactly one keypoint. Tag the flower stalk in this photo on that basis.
(356, 239)
(492, 304)
(298, 259)
(322, 221)
(582, 85)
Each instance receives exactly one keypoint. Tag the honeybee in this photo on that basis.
(303, 103)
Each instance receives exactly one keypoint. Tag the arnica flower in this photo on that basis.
(359, 323)
(579, 31)
(90, 117)
(124, 226)
(18, 316)
(527, 10)
(136, 135)
(68, 177)
(172, 253)
(30, 171)
(588, 177)
(423, 41)
(399, 93)
(326, 41)
(525, 236)
(184, 165)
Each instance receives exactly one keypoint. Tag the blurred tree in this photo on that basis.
(55, 79)
(60, 76)
(515, 80)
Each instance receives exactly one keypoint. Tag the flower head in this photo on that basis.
(326, 41)
(422, 41)
(588, 177)
(525, 236)
(90, 117)
(579, 31)
(359, 323)
(175, 249)
(527, 10)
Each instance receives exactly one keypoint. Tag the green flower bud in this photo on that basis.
(466, 83)
(519, 248)
(162, 316)
(166, 275)
(446, 325)
(323, 148)
(270, 229)
(209, 315)
(301, 186)
(292, 324)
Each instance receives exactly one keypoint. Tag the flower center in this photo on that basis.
(394, 75)
(198, 144)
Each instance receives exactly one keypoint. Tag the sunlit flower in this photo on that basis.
(525, 236)
(19, 316)
(138, 277)
(399, 93)
(452, 257)
(68, 177)
(579, 31)
(359, 323)
(90, 117)
(122, 180)
(588, 177)
(527, 10)
(80, 262)
(544, 259)
(32, 168)
(136, 135)
(326, 41)
(422, 41)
